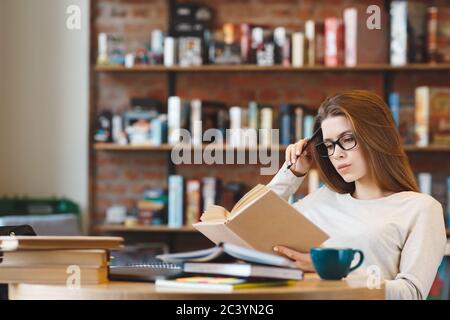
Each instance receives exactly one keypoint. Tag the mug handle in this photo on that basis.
(361, 259)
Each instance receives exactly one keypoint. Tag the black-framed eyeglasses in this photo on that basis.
(326, 149)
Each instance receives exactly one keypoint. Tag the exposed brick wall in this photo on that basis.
(121, 177)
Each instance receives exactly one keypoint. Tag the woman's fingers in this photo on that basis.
(302, 260)
(294, 151)
(292, 254)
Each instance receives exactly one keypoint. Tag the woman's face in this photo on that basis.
(350, 164)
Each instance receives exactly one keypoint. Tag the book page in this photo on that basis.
(214, 212)
(248, 197)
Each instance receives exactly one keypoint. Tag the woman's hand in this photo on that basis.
(301, 164)
(302, 260)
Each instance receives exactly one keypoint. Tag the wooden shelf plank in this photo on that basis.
(142, 228)
(275, 68)
(167, 147)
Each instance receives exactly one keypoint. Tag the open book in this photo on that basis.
(260, 221)
(227, 250)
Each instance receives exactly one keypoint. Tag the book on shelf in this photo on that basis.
(176, 201)
(432, 114)
(438, 34)
(403, 112)
(425, 182)
(408, 29)
(334, 41)
(193, 201)
(260, 220)
(315, 39)
(214, 284)
(210, 191)
(363, 45)
(298, 49)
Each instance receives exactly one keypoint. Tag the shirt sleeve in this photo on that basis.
(421, 255)
(285, 183)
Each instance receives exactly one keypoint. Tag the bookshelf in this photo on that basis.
(172, 78)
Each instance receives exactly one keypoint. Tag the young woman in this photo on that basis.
(370, 200)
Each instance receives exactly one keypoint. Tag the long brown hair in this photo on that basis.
(377, 136)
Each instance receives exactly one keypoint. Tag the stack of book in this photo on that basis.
(56, 259)
(227, 267)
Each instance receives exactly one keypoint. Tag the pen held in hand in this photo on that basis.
(305, 146)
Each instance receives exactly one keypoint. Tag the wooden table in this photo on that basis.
(310, 288)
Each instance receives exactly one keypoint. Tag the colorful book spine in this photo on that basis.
(314, 34)
(176, 195)
(394, 105)
(285, 125)
(438, 34)
(193, 201)
(308, 126)
(253, 113)
(334, 42)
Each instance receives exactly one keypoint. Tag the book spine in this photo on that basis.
(394, 105)
(310, 39)
(334, 45)
(193, 202)
(245, 43)
(174, 119)
(169, 52)
(351, 45)
(298, 49)
(196, 121)
(209, 190)
(285, 126)
(425, 180)
(156, 135)
(399, 35)
(175, 201)
(298, 125)
(308, 126)
(266, 126)
(235, 126)
(422, 102)
(253, 115)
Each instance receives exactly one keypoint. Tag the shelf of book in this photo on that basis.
(168, 147)
(142, 228)
(275, 68)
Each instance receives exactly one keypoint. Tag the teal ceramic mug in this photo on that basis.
(335, 263)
